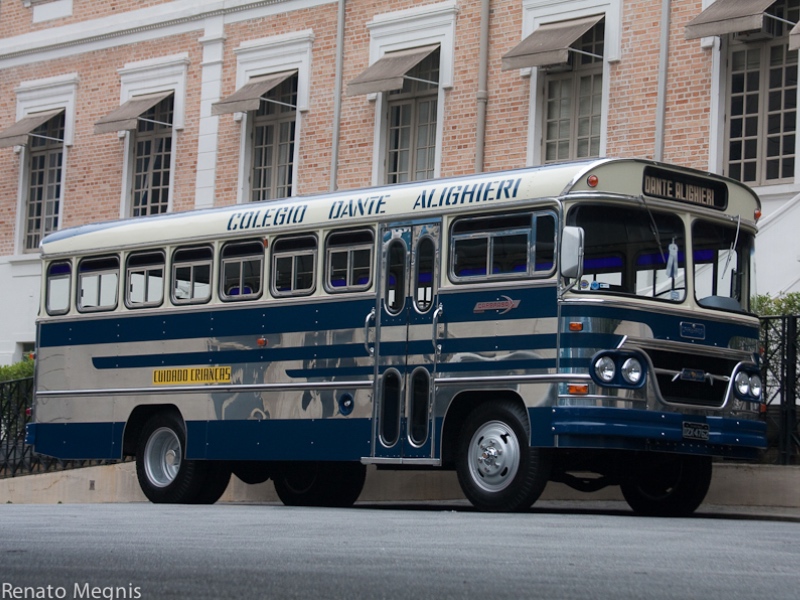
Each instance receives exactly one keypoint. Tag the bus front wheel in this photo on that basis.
(165, 476)
(314, 483)
(667, 486)
(496, 467)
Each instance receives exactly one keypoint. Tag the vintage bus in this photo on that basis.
(585, 323)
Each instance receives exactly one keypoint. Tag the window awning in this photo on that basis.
(387, 74)
(248, 97)
(126, 117)
(549, 44)
(794, 37)
(728, 16)
(17, 134)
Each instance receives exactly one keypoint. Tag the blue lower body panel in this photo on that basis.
(626, 429)
(300, 439)
(76, 441)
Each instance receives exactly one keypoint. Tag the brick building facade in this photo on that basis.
(127, 108)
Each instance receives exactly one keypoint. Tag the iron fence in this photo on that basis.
(16, 457)
(780, 372)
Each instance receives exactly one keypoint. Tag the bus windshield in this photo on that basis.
(639, 251)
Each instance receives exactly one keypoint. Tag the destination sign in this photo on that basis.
(683, 187)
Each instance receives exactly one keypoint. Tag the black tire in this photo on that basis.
(165, 476)
(497, 469)
(667, 486)
(252, 471)
(218, 476)
(332, 484)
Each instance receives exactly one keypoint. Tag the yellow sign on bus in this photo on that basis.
(191, 375)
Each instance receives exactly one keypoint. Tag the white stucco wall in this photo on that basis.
(20, 278)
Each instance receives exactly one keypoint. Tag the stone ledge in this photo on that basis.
(732, 485)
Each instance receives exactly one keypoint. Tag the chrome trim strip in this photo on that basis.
(708, 376)
(687, 347)
(206, 389)
(378, 460)
(646, 304)
(549, 378)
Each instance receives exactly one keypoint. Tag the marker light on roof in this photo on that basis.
(592, 180)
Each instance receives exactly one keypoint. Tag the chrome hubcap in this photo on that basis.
(494, 456)
(162, 457)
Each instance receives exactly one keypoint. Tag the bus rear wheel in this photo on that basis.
(667, 486)
(164, 475)
(316, 483)
(497, 469)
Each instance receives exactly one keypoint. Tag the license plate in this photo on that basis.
(695, 431)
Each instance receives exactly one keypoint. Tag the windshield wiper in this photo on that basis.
(654, 229)
(732, 248)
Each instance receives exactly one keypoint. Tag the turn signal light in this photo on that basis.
(578, 388)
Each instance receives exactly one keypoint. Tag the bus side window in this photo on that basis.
(145, 279)
(349, 261)
(59, 279)
(545, 243)
(191, 275)
(492, 247)
(241, 270)
(98, 280)
(293, 266)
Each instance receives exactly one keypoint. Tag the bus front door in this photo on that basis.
(405, 342)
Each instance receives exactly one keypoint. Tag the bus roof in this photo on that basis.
(399, 202)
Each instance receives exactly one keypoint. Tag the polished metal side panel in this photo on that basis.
(272, 375)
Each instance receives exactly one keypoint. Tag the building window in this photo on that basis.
(152, 157)
(573, 98)
(411, 152)
(46, 152)
(762, 101)
(274, 127)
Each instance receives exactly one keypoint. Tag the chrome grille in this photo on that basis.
(710, 391)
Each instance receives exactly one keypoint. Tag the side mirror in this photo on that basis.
(572, 252)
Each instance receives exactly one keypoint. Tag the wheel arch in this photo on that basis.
(460, 408)
(137, 419)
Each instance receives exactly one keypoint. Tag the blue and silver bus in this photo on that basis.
(585, 323)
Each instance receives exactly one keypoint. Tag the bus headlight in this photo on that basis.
(742, 382)
(632, 371)
(605, 369)
(755, 386)
(618, 368)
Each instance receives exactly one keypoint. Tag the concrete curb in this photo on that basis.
(733, 485)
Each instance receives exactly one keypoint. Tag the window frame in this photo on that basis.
(100, 272)
(43, 144)
(279, 96)
(331, 246)
(576, 72)
(490, 234)
(48, 291)
(153, 129)
(423, 306)
(130, 270)
(192, 263)
(412, 97)
(294, 254)
(241, 259)
(763, 113)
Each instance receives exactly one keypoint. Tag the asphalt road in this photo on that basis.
(383, 552)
